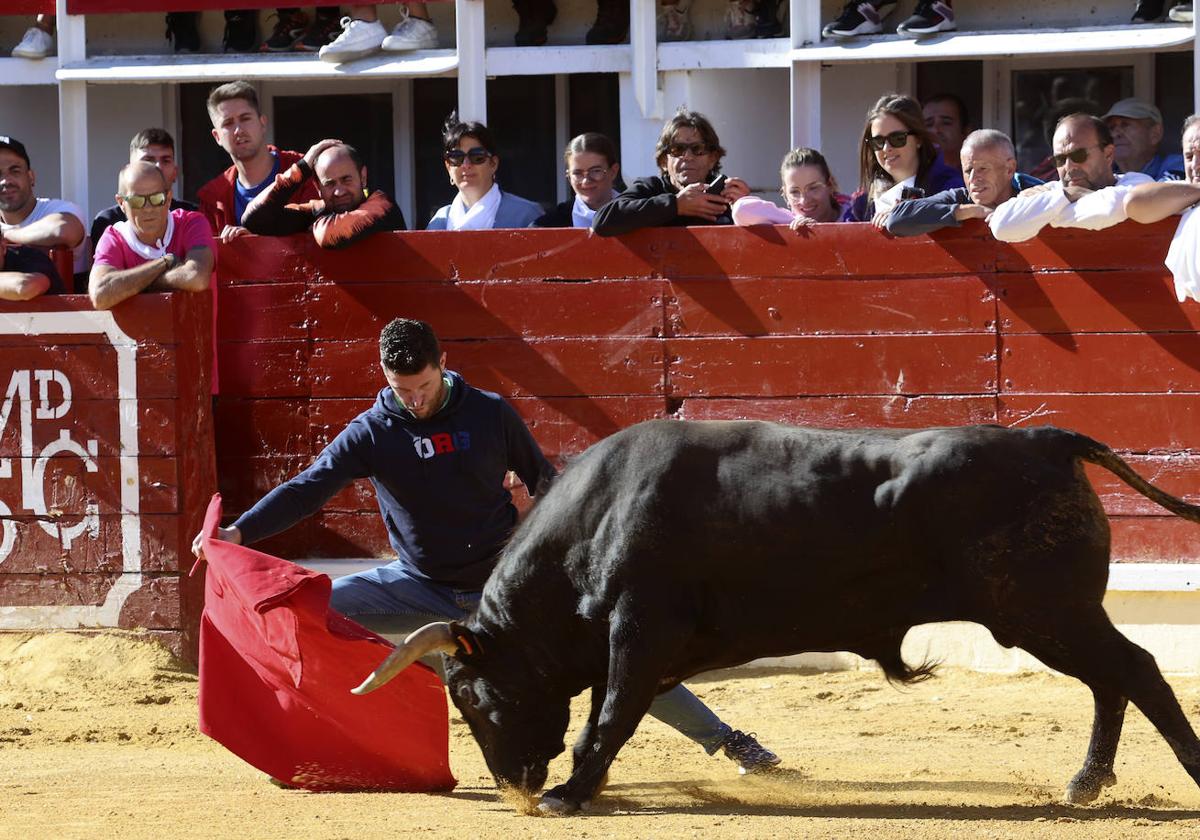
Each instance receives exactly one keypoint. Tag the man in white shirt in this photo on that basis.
(1088, 194)
(28, 220)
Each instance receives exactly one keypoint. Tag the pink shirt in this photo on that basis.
(191, 231)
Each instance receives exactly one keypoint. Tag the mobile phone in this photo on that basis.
(909, 193)
(716, 186)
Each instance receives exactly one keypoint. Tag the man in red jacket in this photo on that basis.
(239, 128)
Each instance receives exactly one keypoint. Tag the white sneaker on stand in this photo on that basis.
(37, 43)
(411, 33)
(359, 38)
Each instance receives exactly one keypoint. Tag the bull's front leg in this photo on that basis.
(583, 743)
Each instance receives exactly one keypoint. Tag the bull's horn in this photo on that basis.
(432, 638)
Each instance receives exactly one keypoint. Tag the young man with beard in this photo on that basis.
(26, 219)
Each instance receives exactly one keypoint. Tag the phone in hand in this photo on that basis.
(717, 186)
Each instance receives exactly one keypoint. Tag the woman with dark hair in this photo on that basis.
(690, 189)
(808, 187)
(469, 152)
(592, 170)
(897, 153)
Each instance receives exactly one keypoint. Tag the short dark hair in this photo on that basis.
(408, 346)
(151, 137)
(1103, 132)
(454, 130)
(964, 116)
(688, 119)
(593, 142)
(232, 90)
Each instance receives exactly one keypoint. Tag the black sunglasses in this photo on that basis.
(680, 149)
(895, 139)
(477, 155)
(1075, 156)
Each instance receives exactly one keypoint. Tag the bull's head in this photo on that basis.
(518, 727)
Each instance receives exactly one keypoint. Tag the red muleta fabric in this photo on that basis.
(276, 669)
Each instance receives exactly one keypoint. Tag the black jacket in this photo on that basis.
(650, 202)
(559, 217)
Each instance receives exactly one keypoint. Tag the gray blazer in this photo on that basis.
(514, 212)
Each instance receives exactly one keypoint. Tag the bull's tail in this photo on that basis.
(898, 671)
(1097, 453)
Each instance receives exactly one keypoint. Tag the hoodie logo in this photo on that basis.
(441, 444)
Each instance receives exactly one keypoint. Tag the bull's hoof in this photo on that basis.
(1086, 786)
(552, 806)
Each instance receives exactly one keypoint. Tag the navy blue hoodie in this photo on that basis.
(439, 482)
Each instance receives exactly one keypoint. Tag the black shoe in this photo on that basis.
(535, 18)
(766, 19)
(289, 28)
(182, 32)
(751, 756)
(930, 16)
(612, 23)
(324, 29)
(859, 17)
(1147, 11)
(241, 31)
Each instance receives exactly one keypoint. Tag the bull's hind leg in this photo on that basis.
(1089, 647)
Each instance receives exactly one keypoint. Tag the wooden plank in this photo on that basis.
(266, 312)
(527, 308)
(99, 421)
(896, 412)
(798, 306)
(1112, 364)
(144, 318)
(1131, 422)
(811, 366)
(255, 260)
(43, 590)
(155, 605)
(92, 368)
(246, 427)
(1154, 539)
(269, 369)
(1094, 301)
(69, 487)
(511, 367)
(1128, 246)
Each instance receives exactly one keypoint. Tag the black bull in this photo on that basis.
(673, 548)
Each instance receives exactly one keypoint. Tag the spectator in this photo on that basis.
(293, 32)
(989, 167)
(241, 31)
(363, 34)
(28, 220)
(343, 214)
(743, 19)
(26, 273)
(469, 152)
(688, 155)
(240, 129)
(38, 41)
(1137, 130)
(1087, 195)
(809, 189)
(865, 17)
(153, 145)
(897, 153)
(156, 249)
(1151, 11)
(592, 171)
(948, 123)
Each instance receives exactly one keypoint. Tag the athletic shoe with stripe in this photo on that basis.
(930, 16)
(751, 756)
(859, 17)
(1181, 13)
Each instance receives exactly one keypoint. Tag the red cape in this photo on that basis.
(276, 669)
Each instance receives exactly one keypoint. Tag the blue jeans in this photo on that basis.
(390, 599)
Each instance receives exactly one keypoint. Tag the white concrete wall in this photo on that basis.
(30, 114)
(115, 114)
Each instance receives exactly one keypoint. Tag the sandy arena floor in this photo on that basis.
(98, 739)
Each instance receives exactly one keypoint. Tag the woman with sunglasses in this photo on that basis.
(592, 170)
(897, 153)
(690, 189)
(808, 187)
(469, 152)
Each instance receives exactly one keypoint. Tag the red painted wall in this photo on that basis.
(841, 326)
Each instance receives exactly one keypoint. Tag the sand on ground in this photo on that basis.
(98, 739)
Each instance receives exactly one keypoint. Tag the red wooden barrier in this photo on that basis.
(106, 462)
(841, 326)
(28, 7)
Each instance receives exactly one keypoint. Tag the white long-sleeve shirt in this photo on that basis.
(1023, 216)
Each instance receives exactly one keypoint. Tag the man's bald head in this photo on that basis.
(140, 178)
(341, 177)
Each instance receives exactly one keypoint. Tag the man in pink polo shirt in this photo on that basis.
(156, 249)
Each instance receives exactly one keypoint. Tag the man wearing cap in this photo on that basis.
(28, 220)
(1137, 129)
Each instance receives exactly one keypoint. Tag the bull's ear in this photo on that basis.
(467, 642)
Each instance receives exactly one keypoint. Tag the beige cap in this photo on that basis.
(1135, 109)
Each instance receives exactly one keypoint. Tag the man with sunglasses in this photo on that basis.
(1087, 195)
(343, 214)
(26, 219)
(156, 249)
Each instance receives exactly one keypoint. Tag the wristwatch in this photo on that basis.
(171, 261)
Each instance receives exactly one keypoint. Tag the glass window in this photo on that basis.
(1041, 97)
(1173, 95)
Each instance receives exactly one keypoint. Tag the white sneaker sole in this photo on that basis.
(408, 46)
(342, 56)
(927, 30)
(20, 53)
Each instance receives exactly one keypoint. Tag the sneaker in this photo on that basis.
(359, 38)
(674, 22)
(182, 32)
(739, 19)
(1181, 13)
(535, 17)
(411, 33)
(929, 17)
(612, 23)
(289, 29)
(751, 756)
(1148, 11)
(37, 43)
(324, 29)
(766, 19)
(241, 31)
(860, 17)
